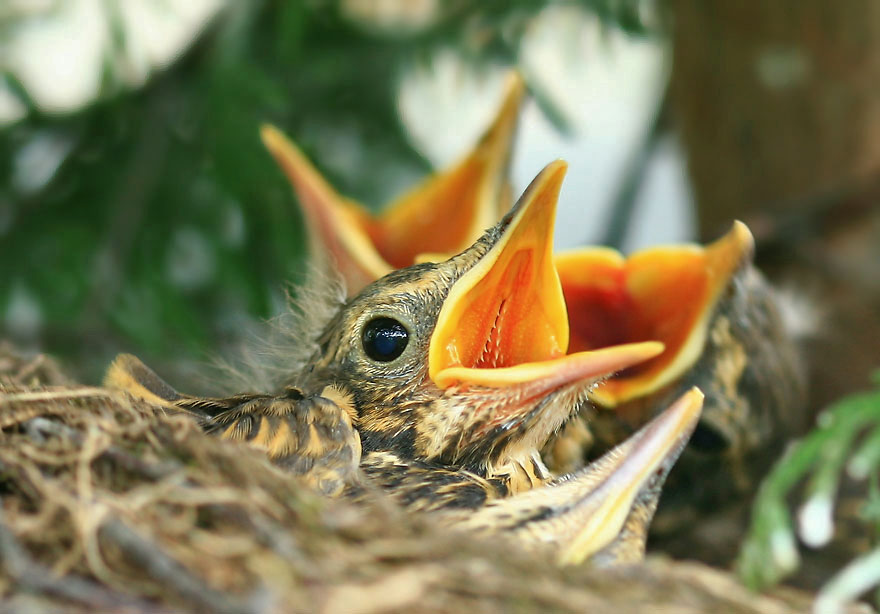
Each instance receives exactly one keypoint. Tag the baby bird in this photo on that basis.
(717, 318)
(440, 382)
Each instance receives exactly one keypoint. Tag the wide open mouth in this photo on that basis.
(447, 213)
(505, 322)
(667, 294)
(336, 222)
(443, 215)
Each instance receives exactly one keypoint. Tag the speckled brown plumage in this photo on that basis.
(464, 447)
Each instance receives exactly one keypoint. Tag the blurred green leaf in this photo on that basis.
(846, 441)
(173, 175)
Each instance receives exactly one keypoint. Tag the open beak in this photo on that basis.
(603, 511)
(335, 224)
(667, 294)
(441, 217)
(504, 322)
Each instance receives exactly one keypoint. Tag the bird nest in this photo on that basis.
(108, 504)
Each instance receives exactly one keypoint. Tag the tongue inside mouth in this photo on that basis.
(505, 321)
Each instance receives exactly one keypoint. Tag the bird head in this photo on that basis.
(465, 361)
(673, 294)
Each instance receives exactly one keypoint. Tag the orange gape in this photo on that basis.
(664, 294)
(599, 306)
(442, 216)
(437, 218)
(505, 326)
(658, 302)
(509, 309)
(504, 323)
(644, 301)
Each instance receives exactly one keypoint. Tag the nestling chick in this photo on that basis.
(452, 376)
(714, 313)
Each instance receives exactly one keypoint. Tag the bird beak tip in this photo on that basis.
(275, 141)
(630, 476)
(729, 253)
(267, 132)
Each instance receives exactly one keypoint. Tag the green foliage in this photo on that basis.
(846, 441)
(166, 226)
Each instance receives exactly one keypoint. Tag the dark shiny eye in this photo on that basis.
(384, 339)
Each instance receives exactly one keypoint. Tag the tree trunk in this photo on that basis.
(778, 103)
(778, 108)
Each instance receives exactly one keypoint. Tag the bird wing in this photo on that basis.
(311, 437)
(425, 487)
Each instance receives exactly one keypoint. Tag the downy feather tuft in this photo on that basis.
(280, 348)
